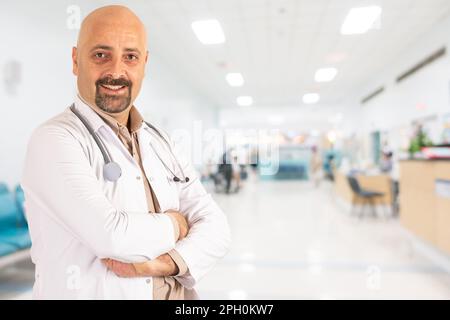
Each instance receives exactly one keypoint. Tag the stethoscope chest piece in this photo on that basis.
(112, 171)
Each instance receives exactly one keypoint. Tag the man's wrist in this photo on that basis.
(162, 266)
(179, 262)
(167, 266)
(144, 269)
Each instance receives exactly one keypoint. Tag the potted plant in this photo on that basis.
(418, 142)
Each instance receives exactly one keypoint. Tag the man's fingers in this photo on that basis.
(107, 262)
(111, 264)
(122, 269)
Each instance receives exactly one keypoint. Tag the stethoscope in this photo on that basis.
(111, 170)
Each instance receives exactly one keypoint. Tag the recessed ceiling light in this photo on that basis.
(235, 79)
(360, 20)
(325, 74)
(311, 98)
(244, 101)
(208, 31)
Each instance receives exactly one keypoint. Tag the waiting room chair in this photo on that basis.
(368, 197)
(14, 234)
(20, 200)
(3, 188)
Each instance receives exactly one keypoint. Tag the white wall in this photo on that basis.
(403, 103)
(37, 37)
(392, 111)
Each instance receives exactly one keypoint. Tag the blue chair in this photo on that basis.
(20, 200)
(19, 238)
(6, 249)
(12, 234)
(3, 188)
(8, 211)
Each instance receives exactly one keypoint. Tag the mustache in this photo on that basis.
(113, 82)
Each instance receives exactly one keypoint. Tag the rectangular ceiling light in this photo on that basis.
(311, 98)
(325, 74)
(208, 31)
(235, 79)
(360, 20)
(244, 101)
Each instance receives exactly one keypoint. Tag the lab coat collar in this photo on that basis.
(96, 122)
(94, 119)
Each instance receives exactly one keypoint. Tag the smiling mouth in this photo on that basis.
(113, 89)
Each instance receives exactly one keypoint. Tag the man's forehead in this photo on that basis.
(115, 39)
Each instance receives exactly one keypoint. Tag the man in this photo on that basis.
(141, 237)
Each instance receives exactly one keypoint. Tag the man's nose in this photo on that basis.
(116, 68)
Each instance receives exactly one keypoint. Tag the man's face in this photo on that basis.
(110, 65)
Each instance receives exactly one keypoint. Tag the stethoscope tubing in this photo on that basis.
(108, 158)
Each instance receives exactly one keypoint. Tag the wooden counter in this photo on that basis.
(422, 210)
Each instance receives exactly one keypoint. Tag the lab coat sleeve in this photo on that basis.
(209, 236)
(58, 177)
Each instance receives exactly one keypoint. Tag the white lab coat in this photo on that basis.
(76, 218)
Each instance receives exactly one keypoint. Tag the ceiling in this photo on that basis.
(278, 44)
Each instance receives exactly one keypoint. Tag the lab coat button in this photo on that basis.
(148, 280)
(138, 178)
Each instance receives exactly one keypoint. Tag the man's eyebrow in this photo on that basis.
(100, 46)
(132, 50)
(105, 47)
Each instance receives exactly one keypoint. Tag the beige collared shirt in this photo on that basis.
(164, 288)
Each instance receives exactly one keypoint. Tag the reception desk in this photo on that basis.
(425, 200)
(378, 183)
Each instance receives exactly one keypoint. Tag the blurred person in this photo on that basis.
(225, 170)
(316, 167)
(114, 212)
(330, 167)
(254, 159)
(236, 172)
(386, 163)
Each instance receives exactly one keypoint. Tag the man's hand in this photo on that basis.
(163, 266)
(121, 269)
(181, 221)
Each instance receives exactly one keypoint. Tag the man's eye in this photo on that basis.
(131, 57)
(100, 55)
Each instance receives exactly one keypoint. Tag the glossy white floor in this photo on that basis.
(291, 241)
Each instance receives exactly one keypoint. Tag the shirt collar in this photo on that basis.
(98, 118)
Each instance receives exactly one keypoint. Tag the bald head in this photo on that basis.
(110, 57)
(110, 17)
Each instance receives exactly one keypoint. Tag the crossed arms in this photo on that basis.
(59, 177)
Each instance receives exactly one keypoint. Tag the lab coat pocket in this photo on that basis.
(173, 191)
(166, 193)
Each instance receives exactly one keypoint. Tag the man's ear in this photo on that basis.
(145, 63)
(74, 61)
